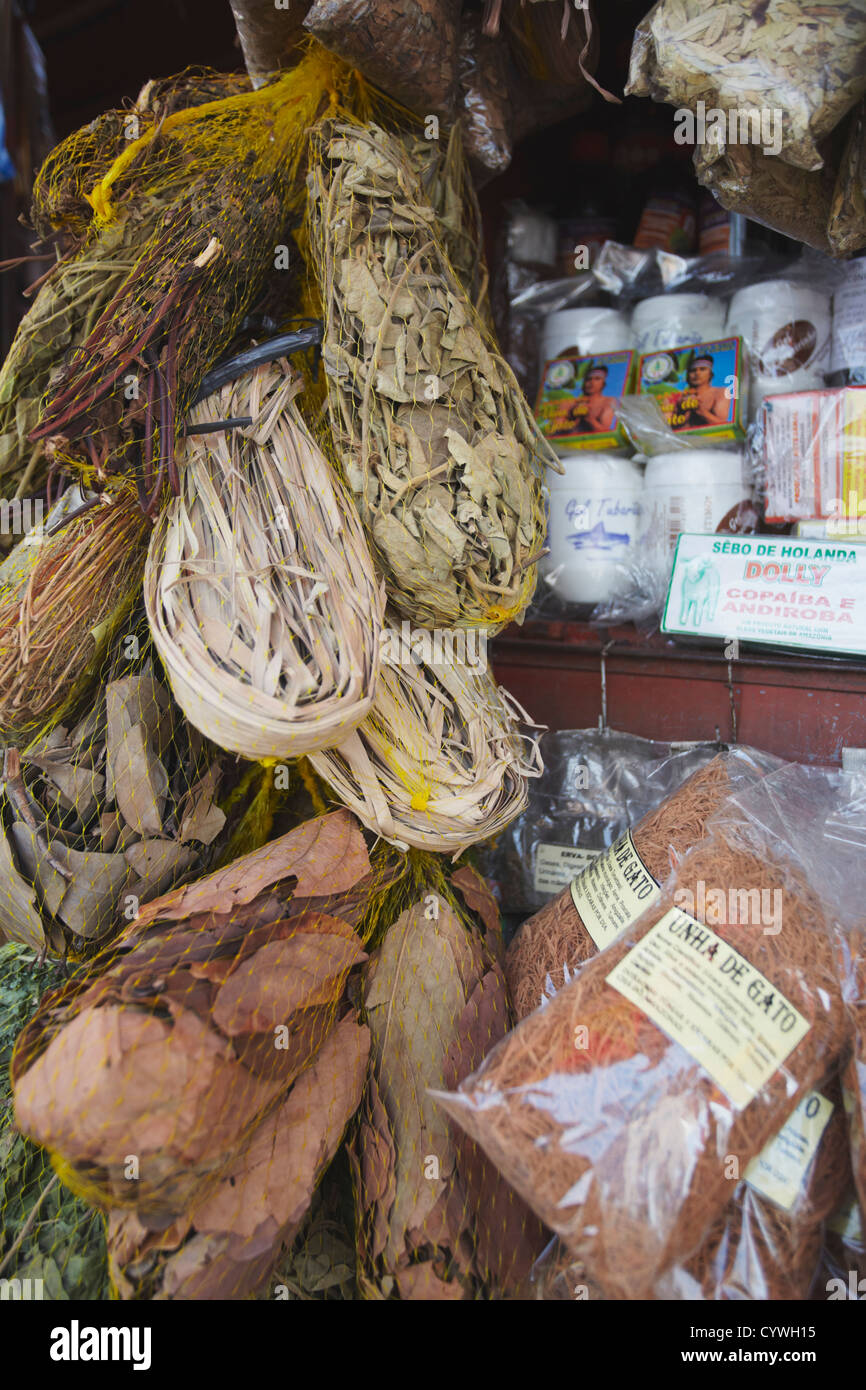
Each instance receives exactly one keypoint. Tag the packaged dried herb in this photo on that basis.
(799, 64)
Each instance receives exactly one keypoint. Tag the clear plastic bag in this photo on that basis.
(679, 794)
(616, 1133)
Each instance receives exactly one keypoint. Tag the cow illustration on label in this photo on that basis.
(699, 592)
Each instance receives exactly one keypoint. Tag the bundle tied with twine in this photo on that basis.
(439, 763)
(440, 449)
(555, 942)
(63, 593)
(260, 588)
(613, 1132)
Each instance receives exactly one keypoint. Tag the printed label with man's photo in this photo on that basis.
(698, 387)
(578, 404)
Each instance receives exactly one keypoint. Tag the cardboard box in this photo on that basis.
(699, 388)
(578, 403)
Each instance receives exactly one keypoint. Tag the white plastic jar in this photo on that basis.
(690, 490)
(786, 329)
(676, 320)
(594, 525)
(589, 330)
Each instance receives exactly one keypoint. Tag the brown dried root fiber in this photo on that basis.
(555, 942)
(614, 1133)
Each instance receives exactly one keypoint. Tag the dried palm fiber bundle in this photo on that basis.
(613, 1109)
(434, 1218)
(64, 591)
(93, 261)
(802, 60)
(620, 884)
(407, 48)
(182, 1048)
(767, 1244)
(440, 450)
(110, 808)
(227, 177)
(440, 762)
(260, 588)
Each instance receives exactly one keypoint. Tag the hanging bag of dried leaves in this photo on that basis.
(64, 591)
(260, 588)
(440, 450)
(613, 1109)
(105, 812)
(612, 892)
(799, 64)
(210, 1005)
(435, 1219)
(439, 763)
(767, 1243)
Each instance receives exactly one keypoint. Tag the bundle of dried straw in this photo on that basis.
(259, 586)
(438, 763)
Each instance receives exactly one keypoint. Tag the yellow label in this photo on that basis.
(780, 1169)
(614, 891)
(712, 1001)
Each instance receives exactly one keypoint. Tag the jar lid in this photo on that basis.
(697, 468)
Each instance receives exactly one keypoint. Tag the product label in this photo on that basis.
(557, 865)
(614, 891)
(779, 1170)
(712, 1001)
(775, 590)
(815, 457)
(578, 404)
(849, 320)
(697, 388)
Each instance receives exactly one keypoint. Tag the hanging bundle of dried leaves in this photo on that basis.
(181, 1052)
(438, 763)
(552, 945)
(439, 446)
(100, 816)
(260, 588)
(800, 61)
(435, 1219)
(62, 595)
(613, 1108)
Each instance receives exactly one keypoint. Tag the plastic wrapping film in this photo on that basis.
(762, 1248)
(684, 789)
(796, 67)
(268, 34)
(408, 49)
(813, 458)
(485, 104)
(596, 784)
(612, 1109)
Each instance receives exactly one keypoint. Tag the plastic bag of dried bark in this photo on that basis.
(406, 47)
(794, 68)
(484, 103)
(612, 891)
(614, 1109)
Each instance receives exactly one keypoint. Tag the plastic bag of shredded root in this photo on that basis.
(616, 1108)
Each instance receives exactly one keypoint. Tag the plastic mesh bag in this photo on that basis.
(612, 1109)
(440, 450)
